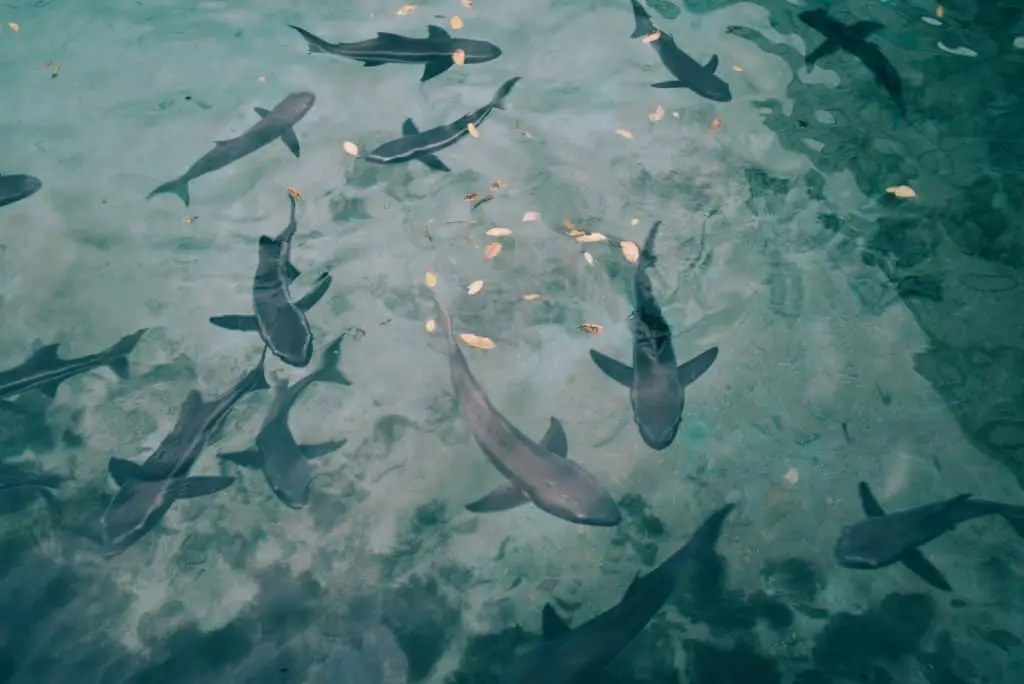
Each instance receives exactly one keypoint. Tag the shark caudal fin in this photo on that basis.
(178, 186)
(314, 44)
(117, 356)
(498, 101)
(644, 25)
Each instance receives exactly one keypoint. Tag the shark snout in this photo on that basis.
(658, 437)
(717, 91)
(480, 51)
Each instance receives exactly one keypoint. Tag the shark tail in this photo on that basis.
(647, 257)
(498, 101)
(257, 377)
(314, 44)
(327, 370)
(117, 356)
(178, 186)
(644, 24)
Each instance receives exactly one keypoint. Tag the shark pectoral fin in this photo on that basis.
(697, 366)
(316, 293)
(233, 322)
(262, 111)
(868, 503)
(291, 272)
(251, 458)
(712, 64)
(12, 407)
(193, 487)
(432, 162)
(503, 498)
(823, 50)
(122, 470)
(409, 127)
(291, 141)
(316, 450)
(554, 440)
(668, 84)
(923, 568)
(617, 371)
(551, 623)
(437, 33)
(436, 68)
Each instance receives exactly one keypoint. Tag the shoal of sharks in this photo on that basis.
(538, 472)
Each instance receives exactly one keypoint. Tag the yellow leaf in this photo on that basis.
(456, 22)
(406, 10)
(592, 237)
(477, 341)
(737, 68)
(293, 192)
(631, 251)
(657, 114)
(459, 56)
(715, 124)
(431, 325)
(939, 11)
(475, 287)
(531, 216)
(350, 148)
(531, 297)
(634, 222)
(902, 191)
(651, 37)
(468, 4)
(491, 250)
(430, 280)
(14, 26)
(589, 257)
(499, 231)
(625, 133)
(471, 127)
(591, 328)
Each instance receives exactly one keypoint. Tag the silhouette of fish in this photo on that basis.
(16, 187)
(13, 476)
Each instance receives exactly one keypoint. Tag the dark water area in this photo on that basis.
(840, 190)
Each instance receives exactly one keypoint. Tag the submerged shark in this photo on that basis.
(435, 51)
(13, 476)
(853, 39)
(576, 655)
(885, 539)
(16, 187)
(45, 371)
(281, 323)
(688, 73)
(540, 473)
(656, 385)
(277, 123)
(285, 463)
(421, 145)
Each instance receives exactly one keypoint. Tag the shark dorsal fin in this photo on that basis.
(262, 111)
(552, 624)
(712, 64)
(631, 589)
(45, 355)
(409, 128)
(438, 33)
(554, 440)
(868, 502)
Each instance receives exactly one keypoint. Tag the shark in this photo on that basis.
(285, 463)
(16, 187)
(45, 371)
(435, 51)
(423, 145)
(537, 472)
(277, 123)
(281, 322)
(577, 654)
(886, 539)
(687, 72)
(656, 385)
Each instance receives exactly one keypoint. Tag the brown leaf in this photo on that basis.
(498, 185)
(630, 250)
(499, 231)
(468, 4)
(293, 192)
(475, 287)
(473, 131)
(531, 297)
(430, 280)
(521, 130)
(456, 22)
(478, 202)
(591, 328)
(459, 56)
(189, 219)
(471, 197)
(477, 341)
(737, 68)
(657, 115)
(14, 26)
(406, 10)
(491, 250)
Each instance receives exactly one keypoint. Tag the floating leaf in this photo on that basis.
(625, 133)
(589, 257)
(531, 216)
(499, 231)
(657, 115)
(716, 123)
(901, 191)
(592, 237)
(468, 4)
(675, 114)
(459, 56)
(430, 280)
(572, 229)
(792, 476)
(477, 341)
(630, 250)
(189, 219)
(498, 185)
(651, 37)
(471, 197)
(491, 250)
(471, 127)
(591, 328)
(531, 297)
(14, 26)
(456, 22)
(475, 287)
(350, 148)
(431, 325)
(406, 10)
(262, 79)
(737, 68)
(634, 222)
(293, 192)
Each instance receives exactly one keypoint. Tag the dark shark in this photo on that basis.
(45, 371)
(422, 145)
(540, 473)
(435, 51)
(853, 39)
(688, 73)
(577, 655)
(281, 323)
(656, 385)
(885, 539)
(277, 123)
(16, 187)
(284, 463)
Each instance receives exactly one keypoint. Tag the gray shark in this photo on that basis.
(853, 39)
(45, 371)
(435, 51)
(198, 422)
(688, 73)
(540, 473)
(577, 655)
(421, 145)
(656, 385)
(277, 123)
(16, 187)
(281, 323)
(883, 540)
(284, 463)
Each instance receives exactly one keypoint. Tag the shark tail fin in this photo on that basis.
(498, 102)
(117, 356)
(328, 370)
(644, 25)
(647, 257)
(314, 44)
(178, 186)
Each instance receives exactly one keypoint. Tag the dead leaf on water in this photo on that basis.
(293, 192)
(430, 280)
(499, 231)
(474, 287)
(478, 202)
(651, 37)
(592, 237)
(531, 216)
(498, 185)
(939, 11)
(406, 10)
(589, 257)
(630, 250)
(625, 133)
(591, 328)
(189, 219)
(675, 115)
(431, 325)
(471, 197)
(350, 148)
(491, 250)
(473, 131)
(456, 22)
(53, 68)
(657, 115)
(737, 68)
(459, 56)
(14, 26)
(477, 341)
(901, 191)
(262, 79)
(572, 229)
(531, 297)
(715, 124)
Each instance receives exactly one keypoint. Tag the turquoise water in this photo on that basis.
(863, 336)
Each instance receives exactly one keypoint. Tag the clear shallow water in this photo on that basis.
(862, 338)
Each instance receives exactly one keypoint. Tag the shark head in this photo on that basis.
(478, 51)
(714, 89)
(658, 420)
(853, 550)
(291, 482)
